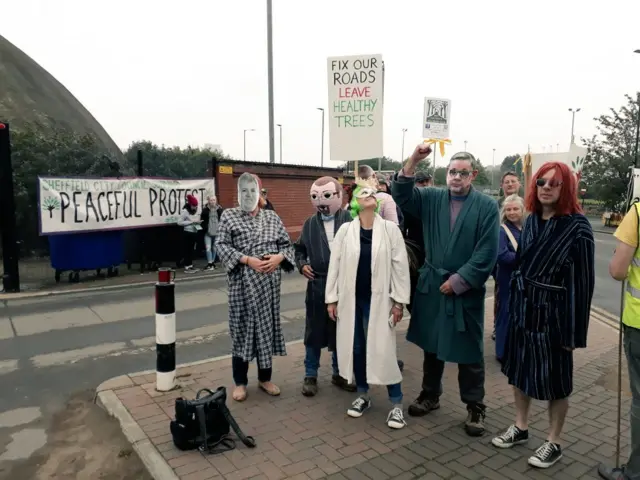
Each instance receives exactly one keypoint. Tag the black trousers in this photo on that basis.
(189, 240)
(240, 370)
(470, 379)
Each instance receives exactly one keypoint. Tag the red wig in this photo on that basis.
(568, 200)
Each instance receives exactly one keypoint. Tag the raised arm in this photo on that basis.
(403, 190)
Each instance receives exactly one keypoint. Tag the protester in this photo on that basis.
(313, 250)
(551, 291)
(423, 179)
(511, 216)
(388, 209)
(210, 217)
(267, 203)
(254, 246)
(366, 306)
(625, 264)
(190, 222)
(510, 185)
(447, 318)
(383, 187)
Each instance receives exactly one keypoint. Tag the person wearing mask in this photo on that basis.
(313, 250)
(254, 248)
(388, 207)
(367, 306)
(267, 203)
(190, 222)
(210, 217)
(625, 265)
(447, 318)
(511, 216)
(549, 307)
(510, 185)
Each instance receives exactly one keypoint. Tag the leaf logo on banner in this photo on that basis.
(51, 204)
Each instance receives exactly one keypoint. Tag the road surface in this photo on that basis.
(53, 347)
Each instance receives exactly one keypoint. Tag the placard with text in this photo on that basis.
(436, 120)
(355, 107)
(68, 204)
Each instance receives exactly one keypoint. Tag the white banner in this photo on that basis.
(88, 204)
(436, 120)
(355, 107)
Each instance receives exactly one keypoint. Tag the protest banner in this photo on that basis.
(68, 204)
(436, 122)
(355, 107)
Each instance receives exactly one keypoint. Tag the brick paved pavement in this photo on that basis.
(312, 438)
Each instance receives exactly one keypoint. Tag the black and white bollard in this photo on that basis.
(165, 330)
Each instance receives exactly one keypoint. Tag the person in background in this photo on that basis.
(460, 253)
(190, 222)
(388, 207)
(423, 179)
(549, 306)
(210, 217)
(313, 250)
(625, 265)
(367, 307)
(510, 185)
(511, 217)
(267, 203)
(254, 248)
(383, 187)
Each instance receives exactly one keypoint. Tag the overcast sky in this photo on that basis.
(195, 72)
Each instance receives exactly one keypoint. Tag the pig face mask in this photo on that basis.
(326, 196)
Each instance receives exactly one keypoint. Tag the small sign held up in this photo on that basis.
(436, 121)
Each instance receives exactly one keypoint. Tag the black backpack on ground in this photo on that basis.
(205, 423)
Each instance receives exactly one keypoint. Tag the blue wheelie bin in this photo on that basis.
(76, 252)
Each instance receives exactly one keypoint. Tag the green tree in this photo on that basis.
(611, 155)
(511, 163)
(482, 178)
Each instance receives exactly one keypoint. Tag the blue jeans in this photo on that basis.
(360, 353)
(209, 249)
(312, 362)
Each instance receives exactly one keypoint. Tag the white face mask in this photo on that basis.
(248, 192)
(365, 192)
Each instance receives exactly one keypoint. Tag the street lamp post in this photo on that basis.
(272, 133)
(573, 123)
(322, 139)
(245, 141)
(280, 127)
(465, 146)
(404, 130)
(493, 170)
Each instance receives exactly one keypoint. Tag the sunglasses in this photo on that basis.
(365, 193)
(552, 182)
(462, 173)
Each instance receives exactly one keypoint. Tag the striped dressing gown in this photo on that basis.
(550, 299)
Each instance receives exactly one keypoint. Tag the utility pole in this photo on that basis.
(280, 126)
(465, 146)
(245, 141)
(404, 130)
(272, 133)
(573, 123)
(322, 139)
(10, 249)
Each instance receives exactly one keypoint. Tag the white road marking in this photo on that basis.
(73, 356)
(19, 416)
(55, 320)
(5, 329)
(8, 366)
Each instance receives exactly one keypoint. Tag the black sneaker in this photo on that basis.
(395, 419)
(512, 437)
(342, 383)
(358, 407)
(546, 456)
(310, 386)
(474, 425)
(209, 267)
(423, 405)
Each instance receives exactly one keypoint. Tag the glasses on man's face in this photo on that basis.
(462, 173)
(552, 182)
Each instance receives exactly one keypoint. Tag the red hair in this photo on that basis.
(568, 200)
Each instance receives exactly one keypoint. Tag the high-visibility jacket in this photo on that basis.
(631, 312)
